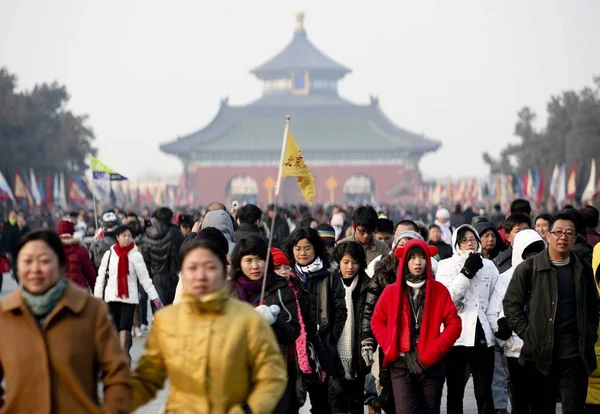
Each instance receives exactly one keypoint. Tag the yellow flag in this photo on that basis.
(294, 166)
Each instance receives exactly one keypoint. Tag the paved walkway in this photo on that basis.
(158, 405)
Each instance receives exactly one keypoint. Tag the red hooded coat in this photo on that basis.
(391, 321)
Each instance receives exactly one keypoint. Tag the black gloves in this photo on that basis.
(504, 332)
(472, 265)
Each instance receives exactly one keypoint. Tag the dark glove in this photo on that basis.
(472, 265)
(504, 332)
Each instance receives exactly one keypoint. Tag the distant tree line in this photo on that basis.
(38, 131)
(571, 135)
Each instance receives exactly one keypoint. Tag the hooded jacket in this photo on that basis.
(80, 269)
(471, 296)
(391, 322)
(161, 244)
(221, 220)
(523, 239)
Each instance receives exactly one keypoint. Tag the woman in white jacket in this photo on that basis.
(527, 243)
(471, 280)
(120, 269)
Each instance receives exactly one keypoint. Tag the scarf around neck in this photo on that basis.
(123, 270)
(42, 305)
(417, 308)
(313, 267)
(248, 290)
(346, 340)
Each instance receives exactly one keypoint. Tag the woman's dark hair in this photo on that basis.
(313, 238)
(386, 270)
(204, 243)
(215, 236)
(249, 246)
(50, 238)
(122, 229)
(544, 216)
(306, 221)
(354, 250)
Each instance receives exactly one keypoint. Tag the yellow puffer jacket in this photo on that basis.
(219, 355)
(593, 396)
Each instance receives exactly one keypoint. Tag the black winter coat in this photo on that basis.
(278, 292)
(281, 231)
(11, 233)
(444, 249)
(583, 251)
(504, 260)
(323, 287)
(530, 303)
(359, 297)
(375, 288)
(161, 245)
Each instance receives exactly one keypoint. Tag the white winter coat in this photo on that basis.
(524, 238)
(137, 271)
(472, 297)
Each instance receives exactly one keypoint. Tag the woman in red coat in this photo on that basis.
(80, 269)
(407, 324)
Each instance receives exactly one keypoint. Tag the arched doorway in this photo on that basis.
(360, 188)
(241, 188)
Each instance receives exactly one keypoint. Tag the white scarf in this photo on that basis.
(315, 266)
(344, 346)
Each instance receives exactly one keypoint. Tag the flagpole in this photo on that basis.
(275, 212)
(95, 209)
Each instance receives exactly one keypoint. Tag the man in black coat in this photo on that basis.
(552, 304)
(12, 230)
(160, 247)
(248, 218)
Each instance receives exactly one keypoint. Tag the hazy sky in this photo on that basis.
(149, 71)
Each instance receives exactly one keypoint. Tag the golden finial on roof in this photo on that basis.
(299, 20)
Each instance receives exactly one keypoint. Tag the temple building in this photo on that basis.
(355, 152)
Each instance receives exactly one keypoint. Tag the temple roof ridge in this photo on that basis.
(299, 54)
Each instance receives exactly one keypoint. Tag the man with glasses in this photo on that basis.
(552, 305)
(364, 223)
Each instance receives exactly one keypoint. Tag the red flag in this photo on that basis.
(571, 183)
(540, 188)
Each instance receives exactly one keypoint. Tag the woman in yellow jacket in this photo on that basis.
(220, 355)
(593, 396)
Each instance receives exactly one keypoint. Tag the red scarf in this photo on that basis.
(123, 270)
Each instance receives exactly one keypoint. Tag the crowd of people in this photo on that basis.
(260, 311)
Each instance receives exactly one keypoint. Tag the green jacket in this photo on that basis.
(530, 308)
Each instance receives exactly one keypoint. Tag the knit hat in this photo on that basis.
(327, 233)
(65, 228)
(279, 258)
(408, 234)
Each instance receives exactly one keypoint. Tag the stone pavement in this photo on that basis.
(158, 405)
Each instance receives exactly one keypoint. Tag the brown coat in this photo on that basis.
(55, 369)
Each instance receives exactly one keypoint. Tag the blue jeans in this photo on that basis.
(500, 382)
